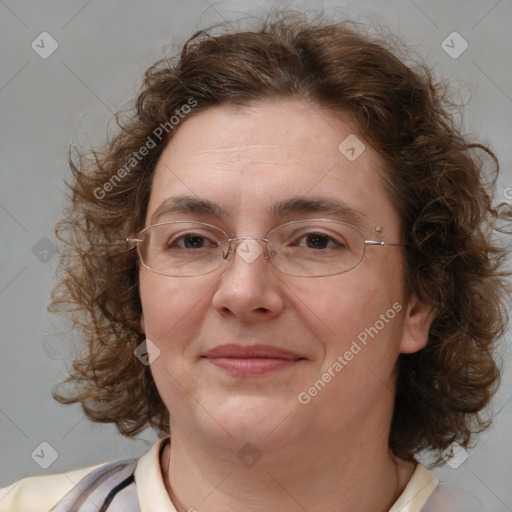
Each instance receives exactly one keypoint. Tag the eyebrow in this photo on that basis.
(187, 204)
(324, 205)
(289, 207)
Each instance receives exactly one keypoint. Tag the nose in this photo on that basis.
(249, 289)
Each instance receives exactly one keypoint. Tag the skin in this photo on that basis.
(331, 454)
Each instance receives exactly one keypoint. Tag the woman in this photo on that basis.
(284, 263)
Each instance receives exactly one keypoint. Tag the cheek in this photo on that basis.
(342, 305)
(341, 311)
(360, 345)
(172, 315)
(169, 306)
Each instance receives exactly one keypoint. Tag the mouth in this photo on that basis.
(251, 360)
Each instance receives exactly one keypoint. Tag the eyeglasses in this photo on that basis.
(302, 248)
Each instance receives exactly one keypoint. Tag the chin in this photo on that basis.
(263, 421)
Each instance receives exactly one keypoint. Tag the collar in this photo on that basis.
(153, 494)
(150, 483)
(417, 491)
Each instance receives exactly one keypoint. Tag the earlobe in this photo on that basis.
(418, 319)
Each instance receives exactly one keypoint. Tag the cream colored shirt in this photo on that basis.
(42, 493)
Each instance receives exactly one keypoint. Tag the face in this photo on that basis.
(333, 341)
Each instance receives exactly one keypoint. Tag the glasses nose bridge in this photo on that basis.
(237, 238)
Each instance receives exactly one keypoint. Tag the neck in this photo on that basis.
(340, 475)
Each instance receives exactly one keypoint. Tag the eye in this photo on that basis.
(319, 241)
(192, 241)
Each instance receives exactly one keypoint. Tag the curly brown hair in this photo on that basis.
(434, 175)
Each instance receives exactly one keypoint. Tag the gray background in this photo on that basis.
(104, 47)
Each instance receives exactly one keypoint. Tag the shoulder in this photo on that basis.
(41, 492)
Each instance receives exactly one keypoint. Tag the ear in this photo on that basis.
(418, 319)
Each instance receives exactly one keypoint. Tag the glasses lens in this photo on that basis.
(315, 248)
(182, 248)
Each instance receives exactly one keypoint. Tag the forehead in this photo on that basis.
(247, 160)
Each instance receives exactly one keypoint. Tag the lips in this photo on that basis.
(251, 351)
(250, 360)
